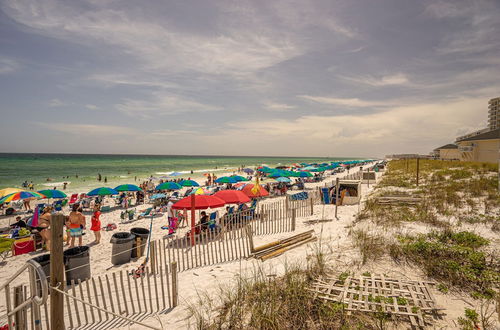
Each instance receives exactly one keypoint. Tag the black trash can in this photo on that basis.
(44, 261)
(141, 234)
(122, 247)
(77, 263)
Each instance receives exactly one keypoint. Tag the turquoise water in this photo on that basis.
(118, 169)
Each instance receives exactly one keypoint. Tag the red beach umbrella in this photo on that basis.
(232, 196)
(201, 202)
(249, 191)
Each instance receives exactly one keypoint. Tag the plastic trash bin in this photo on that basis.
(77, 263)
(142, 234)
(44, 261)
(122, 247)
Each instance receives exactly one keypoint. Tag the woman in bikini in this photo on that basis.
(76, 221)
(44, 226)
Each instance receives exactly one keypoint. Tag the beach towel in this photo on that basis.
(299, 196)
(33, 222)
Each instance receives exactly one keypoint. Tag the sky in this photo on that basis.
(358, 78)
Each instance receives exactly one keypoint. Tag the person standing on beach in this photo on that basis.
(99, 177)
(96, 224)
(44, 226)
(76, 222)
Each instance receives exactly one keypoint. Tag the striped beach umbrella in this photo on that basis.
(53, 193)
(128, 187)
(102, 191)
(168, 186)
(189, 183)
(21, 195)
(8, 191)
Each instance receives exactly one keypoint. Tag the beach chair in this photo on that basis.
(64, 202)
(212, 225)
(73, 199)
(5, 247)
(146, 213)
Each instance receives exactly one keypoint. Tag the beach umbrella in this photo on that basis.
(128, 187)
(199, 191)
(156, 196)
(201, 202)
(51, 193)
(102, 191)
(189, 183)
(239, 178)
(168, 186)
(8, 191)
(232, 196)
(259, 191)
(283, 179)
(226, 179)
(304, 174)
(248, 170)
(308, 168)
(23, 194)
(239, 185)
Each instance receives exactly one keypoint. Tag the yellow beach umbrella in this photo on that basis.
(8, 191)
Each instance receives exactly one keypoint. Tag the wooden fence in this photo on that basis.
(105, 301)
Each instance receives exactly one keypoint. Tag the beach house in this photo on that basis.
(483, 147)
(447, 152)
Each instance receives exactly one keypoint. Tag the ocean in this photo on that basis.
(80, 171)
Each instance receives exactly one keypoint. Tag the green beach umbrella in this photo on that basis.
(103, 191)
(168, 186)
(128, 187)
(51, 193)
(239, 178)
(189, 183)
(226, 179)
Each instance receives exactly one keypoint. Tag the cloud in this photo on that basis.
(278, 106)
(8, 65)
(162, 104)
(91, 107)
(388, 80)
(90, 130)
(54, 103)
(349, 102)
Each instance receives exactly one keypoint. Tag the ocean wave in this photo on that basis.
(55, 184)
(206, 170)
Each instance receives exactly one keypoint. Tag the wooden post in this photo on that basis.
(368, 171)
(418, 169)
(56, 273)
(250, 237)
(293, 219)
(337, 184)
(21, 319)
(312, 205)
(153, 256)
(193, 240)
(173, 268)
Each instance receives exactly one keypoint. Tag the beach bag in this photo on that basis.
(22, 246)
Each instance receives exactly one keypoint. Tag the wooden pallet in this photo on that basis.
(405, 300)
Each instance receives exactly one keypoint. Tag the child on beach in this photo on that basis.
(96, 224)
(76, 222)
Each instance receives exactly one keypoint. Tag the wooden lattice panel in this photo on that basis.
(402, 299)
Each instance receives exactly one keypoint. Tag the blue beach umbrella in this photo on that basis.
(304, 174)
(51, 193)
(102, 191)
(226, 179)
(283, 179)
(239, 178)
(189, 183)
(168, 186)
(128, 187)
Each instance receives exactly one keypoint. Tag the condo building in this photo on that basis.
(494, 114)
